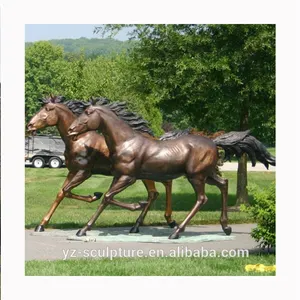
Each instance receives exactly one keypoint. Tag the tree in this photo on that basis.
(41, 67)
(49, 70)
(218, 77)
(113, 77)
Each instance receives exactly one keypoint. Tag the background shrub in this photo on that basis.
(263, 210)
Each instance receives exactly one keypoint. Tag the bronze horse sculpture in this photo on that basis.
(135, 157)
(88, 155)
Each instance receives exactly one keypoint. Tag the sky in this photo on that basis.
(38, 32)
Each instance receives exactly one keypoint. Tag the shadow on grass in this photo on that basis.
(160, 231)
(163, 224)
(184, 202)
(74, 225)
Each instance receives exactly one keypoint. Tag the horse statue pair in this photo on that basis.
(128, 151)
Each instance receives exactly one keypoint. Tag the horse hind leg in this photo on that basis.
(152, 196)
(222, 184)
(198, 184)
(168, 212)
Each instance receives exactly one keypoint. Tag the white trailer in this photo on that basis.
(44, 150)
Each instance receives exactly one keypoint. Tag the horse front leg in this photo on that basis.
(198, 184)
(73, 179)
(119, 184)
(59, 197)
(78, 178)
(152, 196)
(129, 206)
(144, 205)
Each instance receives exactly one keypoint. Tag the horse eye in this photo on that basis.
(83, 122)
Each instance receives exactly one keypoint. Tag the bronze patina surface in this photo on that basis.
(135, 156)
(86, 155)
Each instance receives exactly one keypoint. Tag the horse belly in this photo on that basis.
(159, 176)
(163, 166)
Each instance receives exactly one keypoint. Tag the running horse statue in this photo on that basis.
(89, 154)
(135, 156)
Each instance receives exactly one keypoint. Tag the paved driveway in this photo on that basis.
(54, 244)
(233, 166)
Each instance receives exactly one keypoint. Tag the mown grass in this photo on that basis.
(42, 185)
(158, 266)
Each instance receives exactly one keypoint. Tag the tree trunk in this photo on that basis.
(241, 189)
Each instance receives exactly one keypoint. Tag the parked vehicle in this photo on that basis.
(44, 150)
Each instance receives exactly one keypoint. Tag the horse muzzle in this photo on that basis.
(31, 129)
(73, 134)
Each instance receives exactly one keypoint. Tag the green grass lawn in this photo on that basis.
(159, 266)
(42, 185)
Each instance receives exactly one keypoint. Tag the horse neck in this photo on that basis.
(65, 119)
(115, 131)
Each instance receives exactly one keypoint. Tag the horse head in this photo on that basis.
(90, 119)
(47, 115)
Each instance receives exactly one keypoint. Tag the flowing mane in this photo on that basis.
(51, 99)
(120, 109)
(135, 121)
(77, 107)
(174, 134)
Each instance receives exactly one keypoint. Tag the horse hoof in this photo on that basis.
(174, 236)
(173, 224)
(134, 230)
(143, 204)
(227, 230)
(39, 228)
(81, 232)
(98, 195)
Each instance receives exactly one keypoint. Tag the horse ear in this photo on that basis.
(52, 98)
(89, 110)
(60, 99)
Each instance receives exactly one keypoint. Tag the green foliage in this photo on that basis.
(42, 67)
(48, 70)
(263, 211)
(210, 77)
(214, 77)
(114, 78)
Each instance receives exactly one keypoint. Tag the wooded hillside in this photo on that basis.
(91, 47)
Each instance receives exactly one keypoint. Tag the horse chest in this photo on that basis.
(125, 157)
(79, 156)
